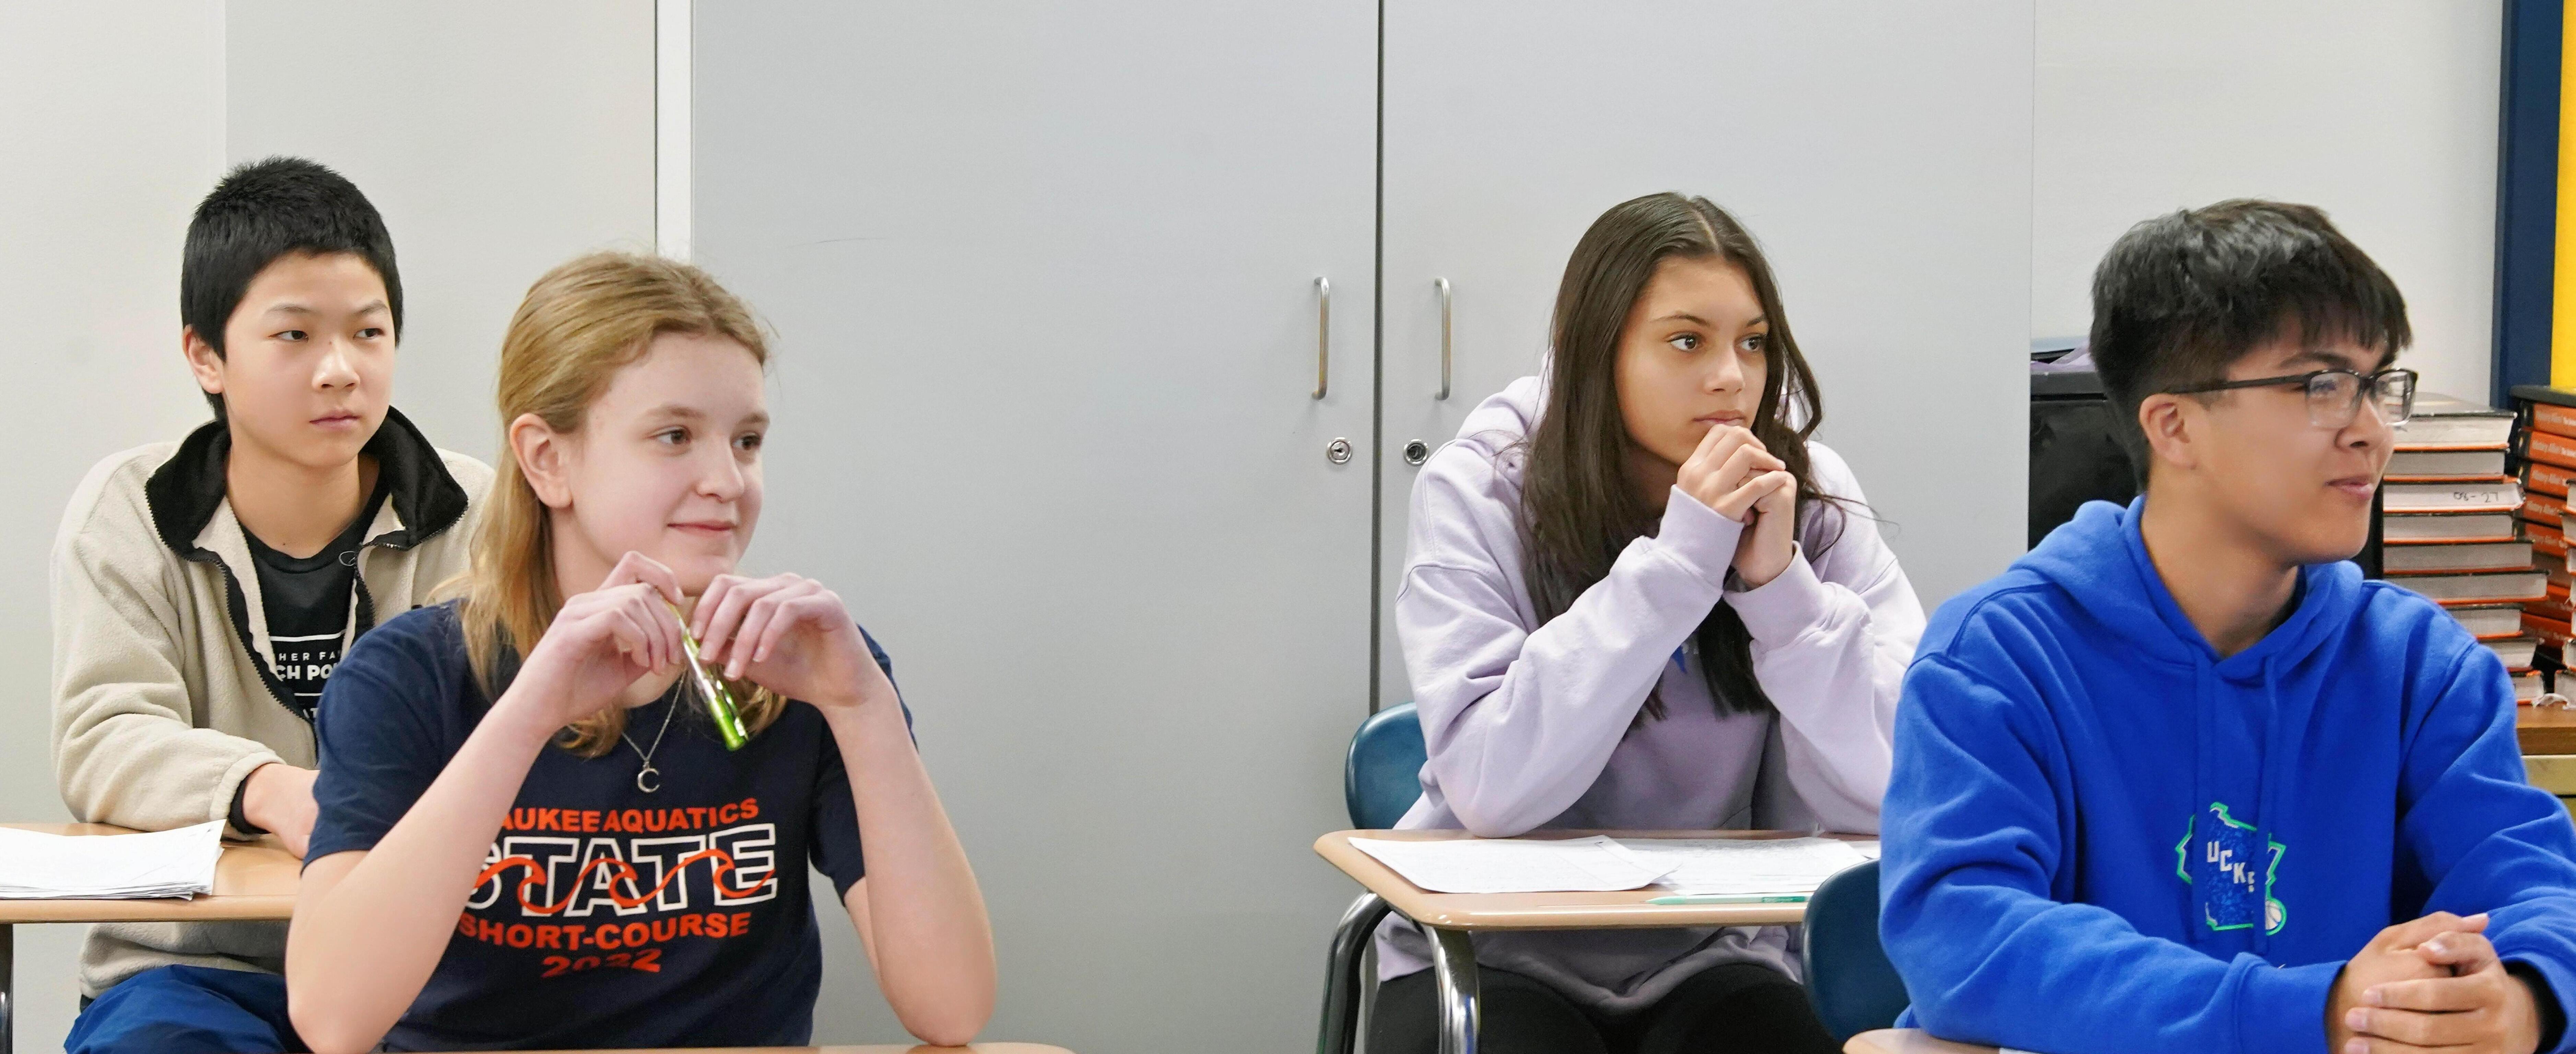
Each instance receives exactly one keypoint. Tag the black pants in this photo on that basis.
(1736, 1007)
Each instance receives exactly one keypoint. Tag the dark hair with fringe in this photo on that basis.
(2183, 296)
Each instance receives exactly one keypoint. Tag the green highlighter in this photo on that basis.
(719, 700)
(1735, 898)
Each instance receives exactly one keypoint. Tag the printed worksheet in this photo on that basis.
(1725, 866)
(1514, 865)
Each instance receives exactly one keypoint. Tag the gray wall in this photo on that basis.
(499, 139)
(2381, 112)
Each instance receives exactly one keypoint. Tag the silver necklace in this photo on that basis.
(649, 779)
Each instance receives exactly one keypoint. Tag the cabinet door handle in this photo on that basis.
(1443, 285)
(1323, 334)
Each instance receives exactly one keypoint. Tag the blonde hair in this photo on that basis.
(579, 325)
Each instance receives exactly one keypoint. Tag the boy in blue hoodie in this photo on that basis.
(2180, 779)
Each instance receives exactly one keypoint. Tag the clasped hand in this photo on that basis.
(784, 632)
(1737, 477)
(2431, 984)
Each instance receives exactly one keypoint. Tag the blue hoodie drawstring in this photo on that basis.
(2204, 753)
(2205, 691)
(2274, 738)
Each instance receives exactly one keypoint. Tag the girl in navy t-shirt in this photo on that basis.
(547, 844)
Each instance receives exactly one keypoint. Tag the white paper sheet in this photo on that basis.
(173, 863)
(1513, 865)
(1730, 866)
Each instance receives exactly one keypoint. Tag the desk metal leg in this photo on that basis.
(1340, 1031)
(1453, 964)
(8, 988)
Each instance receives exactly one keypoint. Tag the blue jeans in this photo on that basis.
(187, 1010)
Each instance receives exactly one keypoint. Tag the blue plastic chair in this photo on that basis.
(1382, 777)
(1854, 987)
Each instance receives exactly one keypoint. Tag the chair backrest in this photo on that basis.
(1382, 777)
(1854, 987)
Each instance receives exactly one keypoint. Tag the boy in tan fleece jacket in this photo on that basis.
(203, 589)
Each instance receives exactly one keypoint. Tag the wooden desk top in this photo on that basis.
(2555, 773)
(2545, 730)
(252, 881)
(1545, 911)
(1908, 1041)
(849, 1050)
(257, 881)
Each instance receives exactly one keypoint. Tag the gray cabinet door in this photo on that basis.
(1043, 279)
(1882, 153)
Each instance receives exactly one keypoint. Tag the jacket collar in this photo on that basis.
(187, 490)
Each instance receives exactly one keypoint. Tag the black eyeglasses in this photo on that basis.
(2334, 396)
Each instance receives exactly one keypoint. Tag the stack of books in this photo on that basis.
(2448, 529)
(2545, 449)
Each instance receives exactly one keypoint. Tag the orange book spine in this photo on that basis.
(2546, 540)
(2541, 508)
(2552, 449)
(2551, 417)
(2552, 632)
(2479, 602)
(2548, 479)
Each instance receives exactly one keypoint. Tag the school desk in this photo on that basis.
(1448, 919)
(1908, 1041)
(252, 881)
(257, 881)
(2555, 773)
(2545, 729)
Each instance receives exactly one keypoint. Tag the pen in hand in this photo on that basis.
(719, 700)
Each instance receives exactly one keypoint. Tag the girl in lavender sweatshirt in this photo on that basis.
(1637, 596)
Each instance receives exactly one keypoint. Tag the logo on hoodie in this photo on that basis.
(2230, 866)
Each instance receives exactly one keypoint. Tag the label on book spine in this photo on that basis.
(2548, 479)
(2541, 508)
(2552, 449)
(2550, 417)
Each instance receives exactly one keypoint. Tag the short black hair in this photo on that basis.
(264, 210)
(2181, 297)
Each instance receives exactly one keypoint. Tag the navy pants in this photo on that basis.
(187, 1010)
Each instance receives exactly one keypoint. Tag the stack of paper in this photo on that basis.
(176, 863)
(1687, 866)
(1513, 865)
(1745, 866)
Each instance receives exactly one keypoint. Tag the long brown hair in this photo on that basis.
(579, 325)
(1579, 505)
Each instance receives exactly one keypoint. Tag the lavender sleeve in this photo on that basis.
(1519, 722)
(1832, 637)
